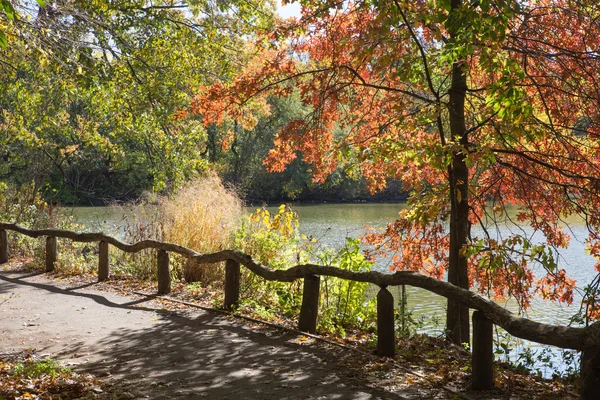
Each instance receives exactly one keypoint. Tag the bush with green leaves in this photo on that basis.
(343, 304)
(273, 239)
(23, 205)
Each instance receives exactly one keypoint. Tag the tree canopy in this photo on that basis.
(110, 78)
(479, 107)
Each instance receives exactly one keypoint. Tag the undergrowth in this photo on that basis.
(23, 205)
(273, 238)
(46, 379)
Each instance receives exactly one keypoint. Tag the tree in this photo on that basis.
(110, 78)
(239, 161)
(475, 105)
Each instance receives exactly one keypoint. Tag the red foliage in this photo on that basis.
(375, 78)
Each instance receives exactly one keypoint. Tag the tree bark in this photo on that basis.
(386, 338)
(309, 310)
(164, 273)
(457, 318)
(51, 253)
(590, 373)
(482, 360)
(232, 284)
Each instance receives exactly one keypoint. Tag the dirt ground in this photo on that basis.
(162, 354)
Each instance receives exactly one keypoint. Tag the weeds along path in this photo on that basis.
(164, 354)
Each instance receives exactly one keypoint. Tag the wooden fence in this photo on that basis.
(586, 339)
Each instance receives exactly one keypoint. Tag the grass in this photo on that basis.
(36, 369)
(47, 379)
(202, 216)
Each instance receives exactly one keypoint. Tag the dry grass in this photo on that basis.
(202, 216)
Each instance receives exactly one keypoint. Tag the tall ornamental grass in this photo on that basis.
(202, 215)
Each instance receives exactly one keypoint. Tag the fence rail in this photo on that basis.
(586, 339)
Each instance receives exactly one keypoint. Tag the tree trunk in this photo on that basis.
(590, 370)
(457, 318)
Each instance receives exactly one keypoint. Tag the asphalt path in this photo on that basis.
(163, 354)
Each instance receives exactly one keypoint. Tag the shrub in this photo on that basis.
(23, 205)
(343, 303)
(271, 239)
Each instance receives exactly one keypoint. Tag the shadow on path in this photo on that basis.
(70, 291)
(208, 356)
(192, 355)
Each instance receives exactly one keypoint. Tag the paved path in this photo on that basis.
(164, 354)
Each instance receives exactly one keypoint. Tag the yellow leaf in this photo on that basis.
(302, 339)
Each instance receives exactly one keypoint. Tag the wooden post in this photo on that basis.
(103, 261)
(232, 284)
(483, 353)
(386, 340)
(3, 246)
(51, 253)
(310, 304)
(164, 276)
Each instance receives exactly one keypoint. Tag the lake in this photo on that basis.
(330, 224)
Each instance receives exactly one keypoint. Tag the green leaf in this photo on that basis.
(3, 41)
(9, 10)
(41, 3)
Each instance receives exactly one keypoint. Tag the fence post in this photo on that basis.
(3, 246)
(103, 261)
(51, 253)
(232, 284)
(482, 364)
(164, 276)
(386, 340)
(310, 304)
